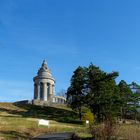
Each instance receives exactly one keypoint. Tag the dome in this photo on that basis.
(44, 72)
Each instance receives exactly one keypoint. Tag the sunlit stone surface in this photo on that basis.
(44, 87)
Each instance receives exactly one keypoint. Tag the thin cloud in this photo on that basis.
(51, 49)
(15, 84)
(15, 90)
(60, 49)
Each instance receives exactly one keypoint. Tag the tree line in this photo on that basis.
(98, 91)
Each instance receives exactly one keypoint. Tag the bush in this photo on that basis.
(105, 131)
(88, 116)
(70, 120)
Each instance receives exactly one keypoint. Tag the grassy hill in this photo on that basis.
(21, 121)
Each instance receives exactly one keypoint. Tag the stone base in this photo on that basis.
(39, 102)
(46, 103)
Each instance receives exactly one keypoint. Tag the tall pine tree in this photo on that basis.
(75, 93)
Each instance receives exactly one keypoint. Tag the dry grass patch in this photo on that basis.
(129, 132)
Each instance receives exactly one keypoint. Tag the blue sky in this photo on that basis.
(67, 33)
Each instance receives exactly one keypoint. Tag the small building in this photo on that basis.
(44, 87)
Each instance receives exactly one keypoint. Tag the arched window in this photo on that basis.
(35, 91)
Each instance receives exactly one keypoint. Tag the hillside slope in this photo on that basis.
(21, 121)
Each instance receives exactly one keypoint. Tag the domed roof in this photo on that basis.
(44, 72)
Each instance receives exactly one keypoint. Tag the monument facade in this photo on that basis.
(44, 87)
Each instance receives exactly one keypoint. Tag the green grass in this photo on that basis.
(21, 121)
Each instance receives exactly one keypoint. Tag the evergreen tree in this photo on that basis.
(126, 98)
(135, 98)
(102, 97)
(96, 89)
(75, 93)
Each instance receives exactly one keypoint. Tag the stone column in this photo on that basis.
(45, 91)
(48, 90)
(41, 91)
(53, 90)
(50, 86)
(38, 92)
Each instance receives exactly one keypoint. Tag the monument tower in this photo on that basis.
(44, 84)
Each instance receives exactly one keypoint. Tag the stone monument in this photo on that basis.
(44, 87)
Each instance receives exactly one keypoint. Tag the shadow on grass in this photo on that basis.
(87, 139)
(45, 112)
(14, 112)
(15, 135)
